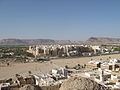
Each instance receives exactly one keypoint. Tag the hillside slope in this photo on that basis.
(102, 40)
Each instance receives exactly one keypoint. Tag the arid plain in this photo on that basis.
(44, 67)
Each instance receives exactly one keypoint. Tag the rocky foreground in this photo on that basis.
(74, 83)
(81, 83)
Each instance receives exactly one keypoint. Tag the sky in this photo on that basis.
(59, 19)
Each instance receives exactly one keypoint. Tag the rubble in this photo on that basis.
(53, 80)
(102, 76)
(81, 83)
(107, 73)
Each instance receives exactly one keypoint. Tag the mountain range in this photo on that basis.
(35, 41)
(91, 40)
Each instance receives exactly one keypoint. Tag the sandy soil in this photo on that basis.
(23, 68)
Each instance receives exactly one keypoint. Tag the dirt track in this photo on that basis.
(45, 67)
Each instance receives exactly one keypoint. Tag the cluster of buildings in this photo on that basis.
(55, 78)
(106, 73)
(66, 50)
(57, 50)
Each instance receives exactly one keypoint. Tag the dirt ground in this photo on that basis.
(44, 67)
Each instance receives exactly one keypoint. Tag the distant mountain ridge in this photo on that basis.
(35, 41)
(102, 40)
(91, 40)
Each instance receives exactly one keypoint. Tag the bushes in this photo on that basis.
(17, 51)
(117, 49)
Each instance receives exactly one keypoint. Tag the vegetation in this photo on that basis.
(117, 49)
(14, 52)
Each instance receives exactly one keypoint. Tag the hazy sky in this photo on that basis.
(59, 19)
